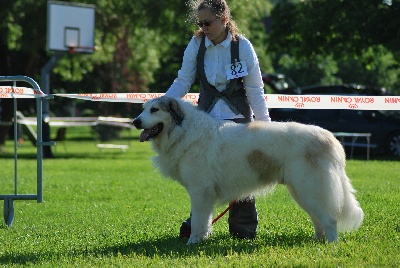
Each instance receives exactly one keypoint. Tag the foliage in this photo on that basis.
(361, 37)
(316, 70)
(376, 65)
(112, 209)
(135, 40)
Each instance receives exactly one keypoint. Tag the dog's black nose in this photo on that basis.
(137, 123)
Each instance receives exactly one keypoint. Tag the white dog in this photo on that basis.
(220, 161)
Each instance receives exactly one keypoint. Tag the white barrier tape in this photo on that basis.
(125, 97)
(19, 92)
(334, 102)
(273, 100)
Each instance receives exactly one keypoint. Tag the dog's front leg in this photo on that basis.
(202, 212)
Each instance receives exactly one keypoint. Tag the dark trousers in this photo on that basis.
(243, 217)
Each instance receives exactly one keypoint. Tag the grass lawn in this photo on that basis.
(112, 209)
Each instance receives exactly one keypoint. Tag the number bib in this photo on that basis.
(239, 69)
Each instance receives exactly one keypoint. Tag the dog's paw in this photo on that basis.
(195, 239)
(192, 241)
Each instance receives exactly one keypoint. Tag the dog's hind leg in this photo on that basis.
(319, 230)
(330, 227)
(202, 212)
(324, 224)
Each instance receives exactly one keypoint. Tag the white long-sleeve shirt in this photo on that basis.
(215, 59)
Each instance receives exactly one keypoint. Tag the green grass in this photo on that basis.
(112, 209)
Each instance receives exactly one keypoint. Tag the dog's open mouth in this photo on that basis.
(151, 133)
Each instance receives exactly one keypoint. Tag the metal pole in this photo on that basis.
(39, 148)
(15, 144)
(45, 76)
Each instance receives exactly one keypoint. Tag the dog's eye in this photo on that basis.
(153, 110)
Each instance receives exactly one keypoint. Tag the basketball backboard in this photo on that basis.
(70, 27)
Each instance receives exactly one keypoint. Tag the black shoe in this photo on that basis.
(186, 228)
(243, 219)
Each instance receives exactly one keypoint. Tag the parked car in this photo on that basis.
(384, 126)
(279, 83)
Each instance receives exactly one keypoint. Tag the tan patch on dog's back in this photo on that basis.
(319, 148)
(266, 167)
(255, 125)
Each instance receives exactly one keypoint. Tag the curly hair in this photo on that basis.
(221, 9)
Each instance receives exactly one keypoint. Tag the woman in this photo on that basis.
(231, 88)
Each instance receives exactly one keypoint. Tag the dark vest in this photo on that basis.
(234, 94)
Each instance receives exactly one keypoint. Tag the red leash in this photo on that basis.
(224, 212)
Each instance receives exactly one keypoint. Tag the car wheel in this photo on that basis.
(394, 144)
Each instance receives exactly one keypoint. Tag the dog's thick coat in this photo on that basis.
(220, 161)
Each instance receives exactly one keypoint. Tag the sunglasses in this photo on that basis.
(207, 23)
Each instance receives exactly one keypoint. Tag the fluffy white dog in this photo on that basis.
(220, 161)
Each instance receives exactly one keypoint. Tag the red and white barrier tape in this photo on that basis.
(273, 100)
(19, 92)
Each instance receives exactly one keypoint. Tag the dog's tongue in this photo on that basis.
(144, 136)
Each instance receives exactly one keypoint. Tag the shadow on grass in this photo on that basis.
(166, 247)
(216, 245)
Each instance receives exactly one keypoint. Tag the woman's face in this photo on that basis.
(213, 27)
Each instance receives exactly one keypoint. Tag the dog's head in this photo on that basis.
(157, 114)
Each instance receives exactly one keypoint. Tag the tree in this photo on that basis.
(345, 31)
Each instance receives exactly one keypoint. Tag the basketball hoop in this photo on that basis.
(71, 50)
(70, 27)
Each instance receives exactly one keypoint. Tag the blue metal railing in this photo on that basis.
(9, 198)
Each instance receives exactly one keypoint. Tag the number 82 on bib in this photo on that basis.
(239, 69)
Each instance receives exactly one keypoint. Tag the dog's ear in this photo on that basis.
(175, 111)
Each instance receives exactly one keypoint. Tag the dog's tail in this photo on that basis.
(351, 215)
